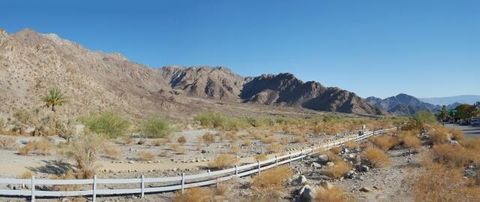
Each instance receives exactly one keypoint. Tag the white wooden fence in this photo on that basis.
(162, 184)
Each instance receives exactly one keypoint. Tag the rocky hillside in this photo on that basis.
(31, 63)
(401, 104)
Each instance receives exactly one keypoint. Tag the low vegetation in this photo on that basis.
(156, 127)
(110, 124)
(194, 195)
(111, 151)
(376, 157)
(42, 147)
(270, 184)
(223, 161)
(84, 150)
(8, 143)
(145, 156)
(384, 142)
(339, 169)
(334, 194)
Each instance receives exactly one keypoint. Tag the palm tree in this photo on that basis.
(443, 115)
(54, 98)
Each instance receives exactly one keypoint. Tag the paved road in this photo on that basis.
(469, 131)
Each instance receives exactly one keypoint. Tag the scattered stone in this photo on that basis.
(130, 162)
(316, 165)
(362, 168)
(470, 173)
(322, 158)
(306, 194)
(330, 164)
(327, 185)
(366, 189)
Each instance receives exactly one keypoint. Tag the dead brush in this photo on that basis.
(26, 175)
(182, 140)
(223, 161)
(376, 157)
(275, 148)
(159, 142)
(231, 136)
(68, 175)
(351, 145)
(411, 141)
(439, 134)
(208, 138)
(385, 142)
(270, 184)
(111, 151)
(178, 149)
(194, 195)
(8, 143)
(145, 156)
(234, 149)
(261, 157)
(339, 169)
(454, 155)
(41, 147)
(335, 194)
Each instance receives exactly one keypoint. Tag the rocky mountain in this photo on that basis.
(401, 104)
(31, 63)
(464, 99)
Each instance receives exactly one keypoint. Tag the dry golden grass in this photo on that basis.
(26, 175)
(223, 161)
(111, 151)
(223, 189)
(352, 145)
(411, 141)
(299, 139)
(159, 142)
(456, 134)
(194, 195)
(269, 140)
(275, 148)
(336, 150)
(440, 183)
(67, 175)
(179, 149)
(339, 169)
(439, 134)
(453, 155)
(181, 140)
(334, 194)
(127, 140)
(42, 147)
(208, 138)
(231, 136)
(145, 156)
(261, 157)
(270, 184)
(234, 149)
(8, 143)
(377, 157)
(384, 142)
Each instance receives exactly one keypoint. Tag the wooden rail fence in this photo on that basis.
(161, 184)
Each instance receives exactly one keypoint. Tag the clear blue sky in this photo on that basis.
(384, 47)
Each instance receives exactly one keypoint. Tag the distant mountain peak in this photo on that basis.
(402, 104)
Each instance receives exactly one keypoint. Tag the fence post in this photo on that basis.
(236, 170)
(143, 186)
(183, 182)
(301, 154)
(276, 160)
(258, 166)
(94, 191)
(32, 187)
(290, 158)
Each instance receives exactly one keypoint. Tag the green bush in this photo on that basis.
(110, 124)
(211, 119)
(156, 127)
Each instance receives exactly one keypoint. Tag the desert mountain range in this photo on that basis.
(31, 63)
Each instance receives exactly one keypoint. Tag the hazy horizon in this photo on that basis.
(425, 49)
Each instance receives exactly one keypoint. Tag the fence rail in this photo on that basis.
(169, 183)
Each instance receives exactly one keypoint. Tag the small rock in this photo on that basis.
(130, 162)
(316, 165)
(203, 151)
(327, 185)
(362, 168)
(365, 189)
(306, 194)
(330, 164)
(322, 158)
(470, 173)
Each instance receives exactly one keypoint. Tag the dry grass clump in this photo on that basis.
(177, 148)
(8, 143)
(208, 138)
(70, 174)
(454, 155)
(223, 189)
(339, 169)
(42, 147)
(410, 140)
(376, 157)
(85, 150)
(196, 194)
(299, 139)
(336, 150)
(440, 183)
(159, 142)
(145, 156)
(456, 134)
(351, 145)
(261, 157)
(223, 161)
(270, 184)
(335, 194)
(26, 175)
(269, 139)
(440, 135)
(182, 140)
(275, 148)
(234, 149)
(231, 136)
(385, 142)
(111, 151)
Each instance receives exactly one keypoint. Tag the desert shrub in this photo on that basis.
(127, 140)
(177, 148)
(107, 123)
(456, 134)
(23, 116)
(275, 148)
(410, 141)
(335, 194)
(42, 147)
(68, 175)
(145, 156)
(156, 127)
(261, 157)
(26, 175)
(440, 183)
(111, 151)
(211, 119)
(8, 143)
(439, 135)
(336, 150)
(182, 140)
(385, 142)
(231, 136)
(223, 161)
(376, 157)
(159, 142)
(351, 145)
(194, 195)
(270, 184)
(208, 138)
(234, 149)
(299, 139)
(454, 155)
(223, 189)
(84, 150)
(339, 169)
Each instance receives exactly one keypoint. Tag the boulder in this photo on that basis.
(299, 180)
(322, 158)
(316, 165)
(306, 194)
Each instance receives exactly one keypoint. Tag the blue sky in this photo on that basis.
(372, 47)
